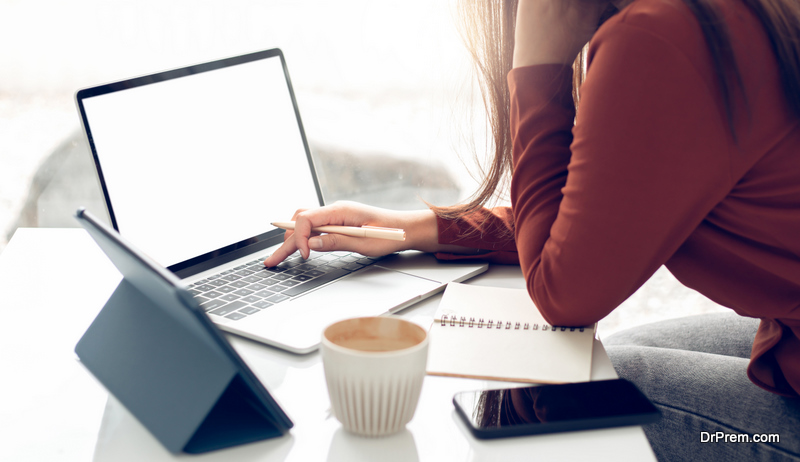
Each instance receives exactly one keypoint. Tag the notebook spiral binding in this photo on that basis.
(461, 321)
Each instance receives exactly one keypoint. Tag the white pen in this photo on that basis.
(354, 231)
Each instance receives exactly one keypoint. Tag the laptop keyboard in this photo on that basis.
(250, 288)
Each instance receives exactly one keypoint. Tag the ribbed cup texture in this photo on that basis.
(374, 408)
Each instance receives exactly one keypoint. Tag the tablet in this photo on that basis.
(156, 351)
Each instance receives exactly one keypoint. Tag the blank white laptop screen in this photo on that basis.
(203, 161)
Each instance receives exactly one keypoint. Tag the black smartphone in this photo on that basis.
(554, 408)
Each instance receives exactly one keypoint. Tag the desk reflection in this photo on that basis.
(400, 447)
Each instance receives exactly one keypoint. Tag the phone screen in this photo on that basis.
(554, 408)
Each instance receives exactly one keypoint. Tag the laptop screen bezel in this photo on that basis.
(232, 251)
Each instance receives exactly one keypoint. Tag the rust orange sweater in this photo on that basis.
(648, 173)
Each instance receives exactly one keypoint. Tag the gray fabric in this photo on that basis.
(694, 370)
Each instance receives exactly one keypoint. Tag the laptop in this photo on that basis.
(194, 163)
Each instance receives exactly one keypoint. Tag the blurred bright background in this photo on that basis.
(374, 80)
(384, 87)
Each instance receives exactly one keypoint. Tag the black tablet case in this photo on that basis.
(153, 348)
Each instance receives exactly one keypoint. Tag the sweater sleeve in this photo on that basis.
(490, 231)
(602, 200)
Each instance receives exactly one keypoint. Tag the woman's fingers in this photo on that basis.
(302, 231)
(303, 239)
(286, 249)
(304, 221)
(420, 227)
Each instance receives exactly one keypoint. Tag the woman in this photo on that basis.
(685, 151)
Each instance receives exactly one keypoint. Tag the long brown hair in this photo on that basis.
(488, 30)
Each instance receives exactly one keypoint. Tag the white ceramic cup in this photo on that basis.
(374, 368)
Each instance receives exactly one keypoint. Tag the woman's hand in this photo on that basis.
(420, 227)
(554, 31)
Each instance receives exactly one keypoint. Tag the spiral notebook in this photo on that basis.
(497, 333)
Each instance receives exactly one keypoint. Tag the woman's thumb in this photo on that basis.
(325, 243)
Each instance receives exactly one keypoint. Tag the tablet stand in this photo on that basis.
(159, 362)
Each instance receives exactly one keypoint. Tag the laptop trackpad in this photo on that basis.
(370, 292)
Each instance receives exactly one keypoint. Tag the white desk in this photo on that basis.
(54, 281)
